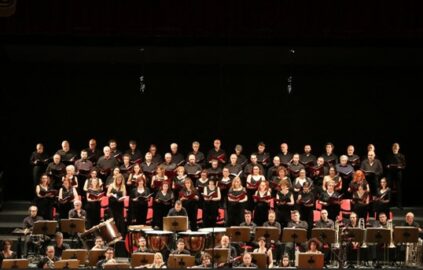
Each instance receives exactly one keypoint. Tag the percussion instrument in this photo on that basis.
(134, 233)
(216, 233)
(194, 241)
(158, 240)
(87, 237)
(109, 232)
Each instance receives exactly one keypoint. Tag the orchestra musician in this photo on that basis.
(7, 252)
(297, 224)
(285, 261)
(409, 221)
(217, 153)
(360, 201)
(248, 222)
(38, 160)
(59, 245)
(94, 197)
(262, 198)
(67, 194)
(247, 261)
(324, 221)
(117, 193)
(206, 259)
(285, 156)
(99, 243)
(263, 249)
(158, 262)
(28, 224)
(47, 262)
(162, 205)
(109, 255)
(396, 165)
(271, 222)
(237, 196)
(200, 159)
(106, 163)
(212, 198)
(45, 197)
(225, 242)
(142, 246)
(178, 210)
(313, 246)
(67, 156)
(134, 153)
(189, 197)
(382, 200)
(284, 202)
(139, 197)
(77, 211)
(177, 157)
(180, 248)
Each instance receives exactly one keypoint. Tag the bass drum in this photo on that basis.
(215, 233)
(88, 237)
(109, 232)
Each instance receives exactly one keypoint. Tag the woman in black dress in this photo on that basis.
(162, 204)
(284, 203)
(212, 197)
(237, 196)
(45, 197)
(330, 200)
(262, 199)
(94, 196)
(382, 199)
(306, 202)
(67, 194)
(189, 197)
(7, 252)
(140, 195)
(117, 193)
(360, 202)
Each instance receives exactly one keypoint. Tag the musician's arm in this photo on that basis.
(291, 200)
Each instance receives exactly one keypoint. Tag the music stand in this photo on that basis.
(178, 261)
(67, 264)
(294, 236)
(379, 236)
(405, 234)
(175, 224)
(94, 256)
(72, 226)
(80, 254)
(141, 258)
(239, 233)
(270, 233)
(45, 227)
(219, 255)
(325, 235)
(14, 264)
(354, 235)
(310, 261)
(260, 259)
(116, 266)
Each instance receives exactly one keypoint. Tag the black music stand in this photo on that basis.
(219, 255)
(325, 235)
(175, 224)
(178, 261)
(354, 235)
(294, 236)
(260, 259)
(45, 227)
(270, 233)
(95, 255)
(405, 234)
(116, 266)
(239, 233)
(80, 254)
(66, 264)
(380, 236)
(310, 261)
(14, 264)
(141, 258)
(72, 226)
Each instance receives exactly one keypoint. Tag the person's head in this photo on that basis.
(195, 146)
(343, 160)
(126, 159)
(174, 148)
(180, 244)
(320, 161)
(44, 180)
(142, 242)
(329, 148)
(56, 158)
(284, 184)
(84, 154)
(359, 176)
(70, 170)
(271, 216)
(276, 161)
(262, 242)
(224, 241)
(263, 186)
(284, 148)
(383, 218)
(302, 174)
(295, 216)
(233, 158)
(204, 174)
(395, 148)
(7, 245)
(247, 216)
(214, 163)
(165, 186)
(371, 147)
(306, 187)
(113, 144)
(33, 210)
(206, 259)
(307, 149)
(59, 238)
(178, 205)
(282, 172)
(217, 143)
(330, 185)
(180, 170)
(109, 254)
(99, 242)
(39, 148)
(350, 150)
(141, 182)
(92, 144)
(119, 180)
(188, 184)
(236, 182)
(158, 258)
(77, 204)
(296, 158)
(253, 159)
(148, 157)
(256, 170)
(133, 144)
(65, 146)
(238, 149)
(168, 158)
(285, 261)
(225, 172)
(50, 252)
(211, 184)
(353, 218)
(409, 217)
(261, 146)
(107, 151)
(313, 244)
(152, 149)
(160, 170)
(246, 258)
(94, 183)
(191, 159)
(324, 215)
(371, 155)
(383, 183)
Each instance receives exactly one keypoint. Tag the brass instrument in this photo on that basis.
(391, 229)
(50, 263)
(362, 225)
(336, 244)
(414, 253)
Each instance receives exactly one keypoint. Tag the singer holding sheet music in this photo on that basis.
(67, 194)
(94, 197)
(139, 197)
(189, 197)
(262, 198)
(212, 197)
(45, 197)
(330, 199)
(116, 193)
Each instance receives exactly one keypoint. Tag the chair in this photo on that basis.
(200, 216)
(318, 205)
(346, 205)
(150, 214)
(316, 216)
(221, 217)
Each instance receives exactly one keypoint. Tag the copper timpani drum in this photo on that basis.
(134, 233)
(194, 241)
(216, 233)
(109, 232)
(158, 240)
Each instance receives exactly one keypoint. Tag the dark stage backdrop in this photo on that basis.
(342, 95)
